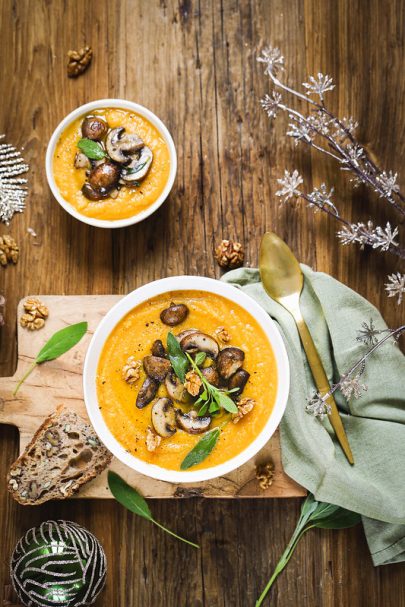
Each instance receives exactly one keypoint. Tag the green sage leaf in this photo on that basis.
(313, 514)
(92, 149)
(201, 450)
(131, 499)
(199, 358)
(58, 344)
(177, 357)
(61, 342)
(225, 402)
(128, 496)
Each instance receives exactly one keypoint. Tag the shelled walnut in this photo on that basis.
(79, 61)
(35, 314)
(9, 250)
(131, 371)
(245, 406)
(265, 474)
(193, 383)
(229, 254)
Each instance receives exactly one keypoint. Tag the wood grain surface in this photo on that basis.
(193, 63)
(61, 381)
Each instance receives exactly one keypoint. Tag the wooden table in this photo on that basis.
(193, 63)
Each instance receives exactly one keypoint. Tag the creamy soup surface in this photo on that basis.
(134, 335)
(130, 200)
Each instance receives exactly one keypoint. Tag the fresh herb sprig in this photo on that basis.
(212, 399)
(92, 149)
(129, 497)
(177, 357)
(313, 514)
(201, 450)
(58, 344)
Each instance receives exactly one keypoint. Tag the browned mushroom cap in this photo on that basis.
(147, 392)
(93, 193)
(158, 348)
(156, 367)
(186, 332)
(211, 375)
(176, 389)
(105, 176)
(164, 417)
(200, 342)
(229, 361)
(174, 314)
(94, 128)
(191, 423)
(120, 144)
(238, 380)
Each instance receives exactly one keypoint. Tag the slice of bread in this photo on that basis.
(63, 454)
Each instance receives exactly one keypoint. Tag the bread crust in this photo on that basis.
(88, 459)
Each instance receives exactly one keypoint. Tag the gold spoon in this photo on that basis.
(283, 281)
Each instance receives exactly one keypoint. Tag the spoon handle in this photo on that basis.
(322, 384)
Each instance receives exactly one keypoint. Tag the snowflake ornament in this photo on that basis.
(318, 407)
(319, 86)
(395, 286)
(290, 183)
(271, 103)
(272, 58)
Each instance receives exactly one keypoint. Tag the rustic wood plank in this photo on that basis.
(165, 54)
(60, 381)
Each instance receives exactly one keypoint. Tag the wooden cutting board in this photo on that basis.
(60, 382)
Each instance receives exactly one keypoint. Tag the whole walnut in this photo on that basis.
(229, 254)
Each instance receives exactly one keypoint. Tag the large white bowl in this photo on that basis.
(86, 109)
(137, 297)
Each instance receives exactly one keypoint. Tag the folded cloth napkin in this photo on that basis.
(374, 423)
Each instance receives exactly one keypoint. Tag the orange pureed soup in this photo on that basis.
(130, 200)
(134, 335)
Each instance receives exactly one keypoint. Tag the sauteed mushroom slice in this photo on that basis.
(147, 392)
(175, 388)
(156, 367)
(200, 342)
(93, 193)
(158, 348)
(81, 161)
(138, 168)
(184, 333)
(238, 380)
(104, 176)
(191, 423)
(164, 417)
(94, 128)
(174, 314)
(229, 361)
(120, 144)
(211, 375)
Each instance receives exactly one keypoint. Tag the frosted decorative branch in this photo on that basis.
(349, 384)
(12, 187)
(326, 132)
(320, 199)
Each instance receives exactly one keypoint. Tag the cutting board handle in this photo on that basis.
(8, 402)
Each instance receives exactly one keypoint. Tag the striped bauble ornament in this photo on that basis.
(58, 564)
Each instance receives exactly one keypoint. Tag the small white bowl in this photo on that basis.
(96, 105)
(130, 301)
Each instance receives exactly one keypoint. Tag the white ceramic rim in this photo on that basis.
(125, 105)
(128, 303)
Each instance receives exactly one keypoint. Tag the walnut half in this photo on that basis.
(79, 61)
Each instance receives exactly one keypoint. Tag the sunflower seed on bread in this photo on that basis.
(63, 455)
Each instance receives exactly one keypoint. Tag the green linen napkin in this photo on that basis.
(374, 423)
